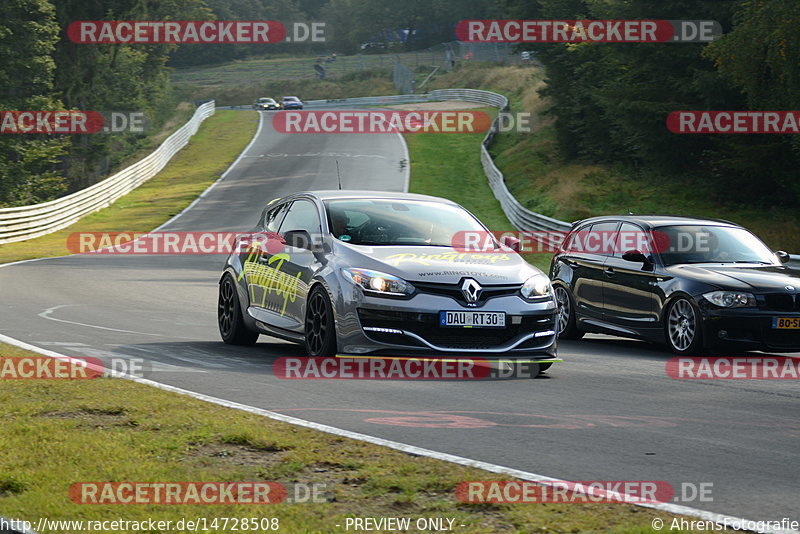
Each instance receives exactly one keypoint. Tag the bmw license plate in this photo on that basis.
(786, 323)
(472, 319)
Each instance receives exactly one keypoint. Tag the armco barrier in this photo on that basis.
(521, 217)
(27, 222)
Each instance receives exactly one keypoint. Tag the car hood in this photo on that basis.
(439, 264)
(757, 278)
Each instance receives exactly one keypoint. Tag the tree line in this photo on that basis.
(42, 69)
(611, 100)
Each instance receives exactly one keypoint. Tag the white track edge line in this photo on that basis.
(222, 176)
(403, 447)
(184, 210)
(407, 170)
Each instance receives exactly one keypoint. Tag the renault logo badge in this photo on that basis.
(471, 290)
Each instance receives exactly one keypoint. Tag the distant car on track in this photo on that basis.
(265, 103)
(370, 273)
(703, 284)
(292, 102)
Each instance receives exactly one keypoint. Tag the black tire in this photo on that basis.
(565, 320)
(682, 327)
(544, 367)
(229, 315)
(320, 327)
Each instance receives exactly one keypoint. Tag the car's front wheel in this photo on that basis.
(229, 315)
(567, 325)
(683, 328)
(320, 329)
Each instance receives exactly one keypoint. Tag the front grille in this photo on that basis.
(454, 291)
(426, 325)
(783, 338)
(782, 302)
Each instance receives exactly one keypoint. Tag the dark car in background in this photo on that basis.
(696, 284)
(292, 102)
(266, 103)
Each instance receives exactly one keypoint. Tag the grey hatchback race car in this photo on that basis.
(377, 274)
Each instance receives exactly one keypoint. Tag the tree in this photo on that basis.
(28, 162)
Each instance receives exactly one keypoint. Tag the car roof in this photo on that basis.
(334, 194)
(285, 97)
(654, 221)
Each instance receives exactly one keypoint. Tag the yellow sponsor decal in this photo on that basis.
(270, 278)
(426, 259)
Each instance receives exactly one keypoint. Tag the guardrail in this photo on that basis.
(521, 217)
(27, 222)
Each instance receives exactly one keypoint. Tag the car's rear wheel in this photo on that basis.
(320, 329)
(229, 315)
(567, 325)
(683, 329)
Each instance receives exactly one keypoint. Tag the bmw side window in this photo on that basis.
(631, 237)
(302, 215)
(601, 239)
(574, 245)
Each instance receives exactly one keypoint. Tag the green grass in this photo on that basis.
(449, 166)
(213, 148)
(543, 182)
(243, 91)
(60, 432)
(242, 82)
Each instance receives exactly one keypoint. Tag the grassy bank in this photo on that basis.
(235, 84)
(65, 432)
(544, 182)
(215, 146)
(450, 166)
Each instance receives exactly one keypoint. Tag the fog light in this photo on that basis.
(723, 334)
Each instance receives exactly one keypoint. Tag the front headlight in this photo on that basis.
(731, 299)
(536, 287)
(379, 283)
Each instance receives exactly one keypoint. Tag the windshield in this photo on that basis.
(712, 244)
(398, 222)
(291, 98)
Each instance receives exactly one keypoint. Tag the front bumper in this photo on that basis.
(749, 329)
(390, 327)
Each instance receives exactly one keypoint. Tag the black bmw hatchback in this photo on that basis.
(696, 284)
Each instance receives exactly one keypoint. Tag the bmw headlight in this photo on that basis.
(379, 283)
(536, 287)
(731, 299)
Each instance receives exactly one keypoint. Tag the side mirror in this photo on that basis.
(783, 256)
(510, 241)
(635, 256)
(298, 239)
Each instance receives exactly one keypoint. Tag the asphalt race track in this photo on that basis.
(609, 412)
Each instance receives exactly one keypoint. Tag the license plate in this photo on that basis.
(786, 323)
(472, 319)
